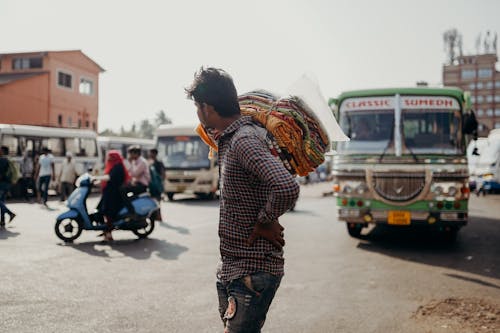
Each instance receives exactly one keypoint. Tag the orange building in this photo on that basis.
(478, 75)
(53, 88)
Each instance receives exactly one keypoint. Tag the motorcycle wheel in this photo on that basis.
(68, 230)
(147, 230)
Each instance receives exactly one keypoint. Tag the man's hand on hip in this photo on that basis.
(273, 232)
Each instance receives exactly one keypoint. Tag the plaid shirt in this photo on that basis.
(255, 187)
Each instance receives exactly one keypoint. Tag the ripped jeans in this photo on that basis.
(244, 302)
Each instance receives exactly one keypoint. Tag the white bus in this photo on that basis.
(121, 143)
(82, 143)
(185, 156)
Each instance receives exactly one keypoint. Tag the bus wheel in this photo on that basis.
(449, 236)
(354, 229)
(170, 196)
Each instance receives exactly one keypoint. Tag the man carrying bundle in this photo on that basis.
(255, 190)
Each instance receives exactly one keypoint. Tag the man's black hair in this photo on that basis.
(153, 151)
(215, 87)
(5, 150)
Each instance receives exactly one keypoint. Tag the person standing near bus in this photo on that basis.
(67, 176)
(159, 170)
(5, 183)
(256, 189)
(27, 172)
(45, 173)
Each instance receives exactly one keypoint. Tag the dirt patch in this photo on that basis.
(460, 315)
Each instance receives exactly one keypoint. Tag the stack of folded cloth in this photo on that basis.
(294, 133)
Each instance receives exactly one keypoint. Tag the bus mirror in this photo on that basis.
(470, 124)
(333, 104)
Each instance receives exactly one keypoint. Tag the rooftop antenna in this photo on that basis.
(452, 41)
(478, 43)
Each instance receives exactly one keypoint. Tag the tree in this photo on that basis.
(161, 118)
(146, 129)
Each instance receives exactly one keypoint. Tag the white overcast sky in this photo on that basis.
(151, 49)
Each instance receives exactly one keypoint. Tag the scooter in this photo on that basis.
(70, 224)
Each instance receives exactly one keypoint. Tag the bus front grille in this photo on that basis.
(398, 186)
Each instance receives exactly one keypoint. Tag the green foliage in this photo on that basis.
(143, 129)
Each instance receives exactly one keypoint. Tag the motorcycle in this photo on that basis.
(70, 224)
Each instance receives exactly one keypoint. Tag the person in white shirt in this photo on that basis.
(67, 176)
(45, 173)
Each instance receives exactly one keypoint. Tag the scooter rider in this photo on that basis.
(140, 177)
(111, 201)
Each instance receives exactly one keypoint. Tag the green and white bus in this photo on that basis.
(406, 162)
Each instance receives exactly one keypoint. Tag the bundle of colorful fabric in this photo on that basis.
(294, 134)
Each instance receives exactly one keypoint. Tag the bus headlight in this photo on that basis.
(438, 190)
(452, 190)
(347, 189)
(361, 189)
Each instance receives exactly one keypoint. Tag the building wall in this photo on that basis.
(468, 74)
(70, 104)
(25, 101)
(62, 106)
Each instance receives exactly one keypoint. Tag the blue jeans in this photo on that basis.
(244, 302)
(43, 186)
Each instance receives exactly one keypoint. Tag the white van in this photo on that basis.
(488, 166)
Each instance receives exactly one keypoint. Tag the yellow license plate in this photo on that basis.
(181, 188)
(399, 217)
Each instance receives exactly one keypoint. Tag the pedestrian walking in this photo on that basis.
(5, 183)
(45, 173)
(255, 190)
(27, 169)
(67, 176)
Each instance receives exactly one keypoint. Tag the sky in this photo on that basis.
(151, 49)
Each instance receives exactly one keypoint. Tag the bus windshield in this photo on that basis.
(432, 131)
(183, 152)
(422, 130)
(370, 131)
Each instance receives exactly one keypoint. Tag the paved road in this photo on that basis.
(333, 283)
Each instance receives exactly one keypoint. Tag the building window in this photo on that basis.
(472, 86)
(27, 63)
(64, 80)
(93, 125)
(468, 73)
(87, 123)
(473, 99)
(497, 125)
(497, 84)
(489, 112)
(86, 86)
(489, 85)
(489, 98)
(479, 85)
(70, 122)
(479, 99)
(480, 112)
(59, 120)
(484, 72)
(497, 112)
(497, 98)
(79, 123)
